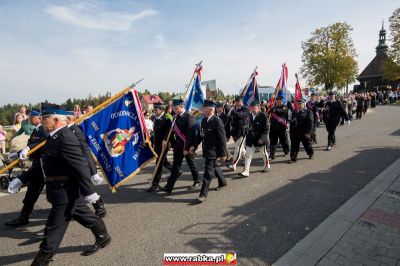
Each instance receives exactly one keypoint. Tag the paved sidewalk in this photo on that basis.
(364, 231)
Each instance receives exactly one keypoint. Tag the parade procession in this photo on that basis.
(65, 147)
(203, 147)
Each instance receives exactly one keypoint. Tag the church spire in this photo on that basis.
(382, 46)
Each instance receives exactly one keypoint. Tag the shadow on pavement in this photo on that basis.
(264, 229)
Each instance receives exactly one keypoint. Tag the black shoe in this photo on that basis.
(166, 190)
(272, 158)
(20, 221)
(328, 148)
(220, 187)
(99, 208)
(42, 259)
(311, 156)
(292, 161)
(201, 199)
(195, 185)
(180, 173)
(151, 189)
(102, 239)
(39, 234)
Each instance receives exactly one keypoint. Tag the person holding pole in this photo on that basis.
(162, 124)
(239, 127)
(183, 138)
(257, 137)
(36, 184)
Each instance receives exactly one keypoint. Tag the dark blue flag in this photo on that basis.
(196, 96)
(251, 92)
(117, 137)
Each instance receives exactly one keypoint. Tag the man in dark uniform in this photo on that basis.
(240, 119)
(183, 138)
(360, 105)
(98, 206)
(312, 105)
(279, 118)
(213, 138)
(333, 110)
(301, 126)
(162, 125)
(67, 175)
(257, 137)
(36, 184)
(219, 112)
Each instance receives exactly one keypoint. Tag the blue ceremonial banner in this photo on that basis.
(196, 97)
(251, 94)
(117, 136)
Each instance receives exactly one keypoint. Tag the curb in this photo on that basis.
(311, 249)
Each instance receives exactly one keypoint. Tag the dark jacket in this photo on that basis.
(302, 122)
(161, 129)
(185, 125)
(240, 120)
(227, 123)
(335, 110)
(85, 148)
(213, 138)
(280, 111)
(38, 136)
(259, 129)
(63, 156)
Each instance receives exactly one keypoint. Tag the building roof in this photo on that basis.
(375, 67)
(151, 99)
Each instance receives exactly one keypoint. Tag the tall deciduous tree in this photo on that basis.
(329, 57)
(391, 69)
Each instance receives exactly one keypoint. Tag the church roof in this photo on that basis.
(375, 67)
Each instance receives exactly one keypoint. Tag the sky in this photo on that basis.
(55, 50)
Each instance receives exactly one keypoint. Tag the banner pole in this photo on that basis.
(164, 149)
(80, 119)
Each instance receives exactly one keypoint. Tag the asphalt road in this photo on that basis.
(260, 217)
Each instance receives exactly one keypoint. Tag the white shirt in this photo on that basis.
(55, 131)
(149, 124)
(158, 117)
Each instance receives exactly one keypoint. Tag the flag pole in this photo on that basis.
(164, 149)
(80, 119)
(247, 84)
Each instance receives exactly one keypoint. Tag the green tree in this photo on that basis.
(391, 68)
(329, 56)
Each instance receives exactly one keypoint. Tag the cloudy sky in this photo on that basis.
(56, 50)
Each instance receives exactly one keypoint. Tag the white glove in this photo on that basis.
(92, 198)
(348, 122)
(12, 156)
(96, 179)
(14, 186)
(23, 154)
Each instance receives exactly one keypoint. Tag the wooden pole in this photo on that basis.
(80, 119)
(164, 149)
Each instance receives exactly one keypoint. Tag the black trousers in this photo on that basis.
(65, 205)
(280, 134)
(33, 192)
(314, 131)
(211, 169)
(331, 128)
(164, 162)
(359, 112)
(295, 140)
(176, 167)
